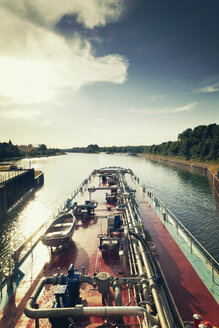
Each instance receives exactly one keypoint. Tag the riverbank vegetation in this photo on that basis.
(200, 144)
(9, 151)
(42, 150)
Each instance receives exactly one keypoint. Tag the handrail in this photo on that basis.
(10, 174)
(197, 243)
(179, 225)
(11, 259)
(190, 234)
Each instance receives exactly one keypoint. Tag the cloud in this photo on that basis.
(160, 96)
(209, 88)
(101, 120)
(43, 123)
(27, 115)
(36, 63)
(156, 111)
(4, 100)
(90, 13)
(97, 12)
(61, 104)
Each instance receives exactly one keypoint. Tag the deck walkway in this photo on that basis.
(184, 283)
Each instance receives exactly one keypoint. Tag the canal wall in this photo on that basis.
(214, 181)
(3, 200)
(13, 189)
(39, 179)
(193, 168)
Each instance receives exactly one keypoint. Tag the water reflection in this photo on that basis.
(188, 196)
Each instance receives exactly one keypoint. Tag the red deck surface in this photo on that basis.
(188, 290)
(190, 294)
(84, 252)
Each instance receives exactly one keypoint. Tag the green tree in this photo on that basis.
(93, 148)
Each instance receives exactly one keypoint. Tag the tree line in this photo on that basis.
(9, 151)
(200, 144)
(42, 150)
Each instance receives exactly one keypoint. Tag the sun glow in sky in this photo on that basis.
(113, 72)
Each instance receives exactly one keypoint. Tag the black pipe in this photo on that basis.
(159, 278)
(147, 249)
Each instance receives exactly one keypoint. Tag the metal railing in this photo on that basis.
(10, 174)
(194, 245)
(11, 261)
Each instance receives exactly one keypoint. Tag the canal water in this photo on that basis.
(187, 195)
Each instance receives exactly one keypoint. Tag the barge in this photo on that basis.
(131, 263)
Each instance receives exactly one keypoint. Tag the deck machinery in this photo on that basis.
(150, 303)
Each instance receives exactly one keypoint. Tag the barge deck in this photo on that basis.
(189, 292)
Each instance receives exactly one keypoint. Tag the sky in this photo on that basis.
(107, 72)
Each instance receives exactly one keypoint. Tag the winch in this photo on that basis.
(67, 293)
(112, 240)
(114, 222)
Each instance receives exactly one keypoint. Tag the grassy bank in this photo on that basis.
(213, 167)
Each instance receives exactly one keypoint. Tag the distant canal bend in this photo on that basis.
(187, 195)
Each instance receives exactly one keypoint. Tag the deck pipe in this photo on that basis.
(138, 268)
(135, 257)
(144, 284)
(117, 287)
(164, 314)
(157, 269)
(78, 311)
(164, 290)
(145, 322)
(32, 312)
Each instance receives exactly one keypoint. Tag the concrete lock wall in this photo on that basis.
(214, 181)
(15, 188)
(18, 185)
(3, 200)
(193, 168)
(39, 180)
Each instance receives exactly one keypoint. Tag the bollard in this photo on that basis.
(10, 282)
(164, 215)
(196, 320)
